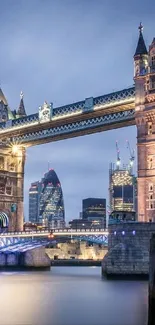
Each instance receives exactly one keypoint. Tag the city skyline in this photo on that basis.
(40, 59)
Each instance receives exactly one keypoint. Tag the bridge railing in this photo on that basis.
(53, 231)
(70, 230)
(24, 232)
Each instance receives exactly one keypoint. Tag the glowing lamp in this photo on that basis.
(15, 149)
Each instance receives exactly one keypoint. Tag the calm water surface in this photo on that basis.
(71, 296)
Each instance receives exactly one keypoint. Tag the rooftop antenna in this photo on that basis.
(132, 156)
(118, 162)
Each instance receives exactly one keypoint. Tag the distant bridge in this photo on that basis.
(99, 236)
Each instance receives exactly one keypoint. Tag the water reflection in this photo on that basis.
(71, 296)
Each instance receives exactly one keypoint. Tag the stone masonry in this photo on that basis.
(128, 249)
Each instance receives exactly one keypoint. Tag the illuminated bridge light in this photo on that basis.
(115, 233)
(134, 232)
(123, 232)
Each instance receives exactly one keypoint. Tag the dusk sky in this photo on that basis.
(63, 51)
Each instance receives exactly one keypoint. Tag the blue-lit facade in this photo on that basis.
(51, 211)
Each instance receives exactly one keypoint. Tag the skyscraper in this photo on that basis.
(51, 211)
(94, 209)
(34, 201)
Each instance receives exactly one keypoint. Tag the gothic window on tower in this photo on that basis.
(1, 163)
(149, 128)
(150, 187)
(151, 202)
(8, 190)
(153, 61)
(146, 86)
(2, 188)
(153, 82)
(150, 163)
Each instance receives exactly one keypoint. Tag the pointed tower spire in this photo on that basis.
(141, 47)
(21, 109)
(2, 97)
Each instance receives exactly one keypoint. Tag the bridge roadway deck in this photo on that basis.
(55, 232)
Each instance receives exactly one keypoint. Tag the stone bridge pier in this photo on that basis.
(128, 249)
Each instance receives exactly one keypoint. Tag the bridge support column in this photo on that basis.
(145, 121)
(12, 161)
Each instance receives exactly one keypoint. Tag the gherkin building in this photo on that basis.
(51, 212)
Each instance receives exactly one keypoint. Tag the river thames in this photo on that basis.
(71, 296)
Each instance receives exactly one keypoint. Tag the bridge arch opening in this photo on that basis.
(4, 220)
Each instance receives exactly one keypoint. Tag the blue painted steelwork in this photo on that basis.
(108, 100)
(96, 239)
(114, 97)
(23, 245)
(67, 128)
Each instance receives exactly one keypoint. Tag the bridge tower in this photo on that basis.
(144, 76)
(12, 161)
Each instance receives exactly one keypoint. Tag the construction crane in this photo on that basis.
(132, 155)
(118, 156)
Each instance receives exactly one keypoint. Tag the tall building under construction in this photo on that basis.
(122, 192)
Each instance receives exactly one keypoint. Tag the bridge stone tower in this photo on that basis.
(144, 76)
(12, 161)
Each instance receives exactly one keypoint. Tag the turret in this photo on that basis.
(141, 55)
(151, 80)
(3, 107)
(140, 72)
(21, 110)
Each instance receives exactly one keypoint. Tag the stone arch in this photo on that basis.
(4, 220)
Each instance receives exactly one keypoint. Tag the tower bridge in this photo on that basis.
(44, 237)
(132, 106)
